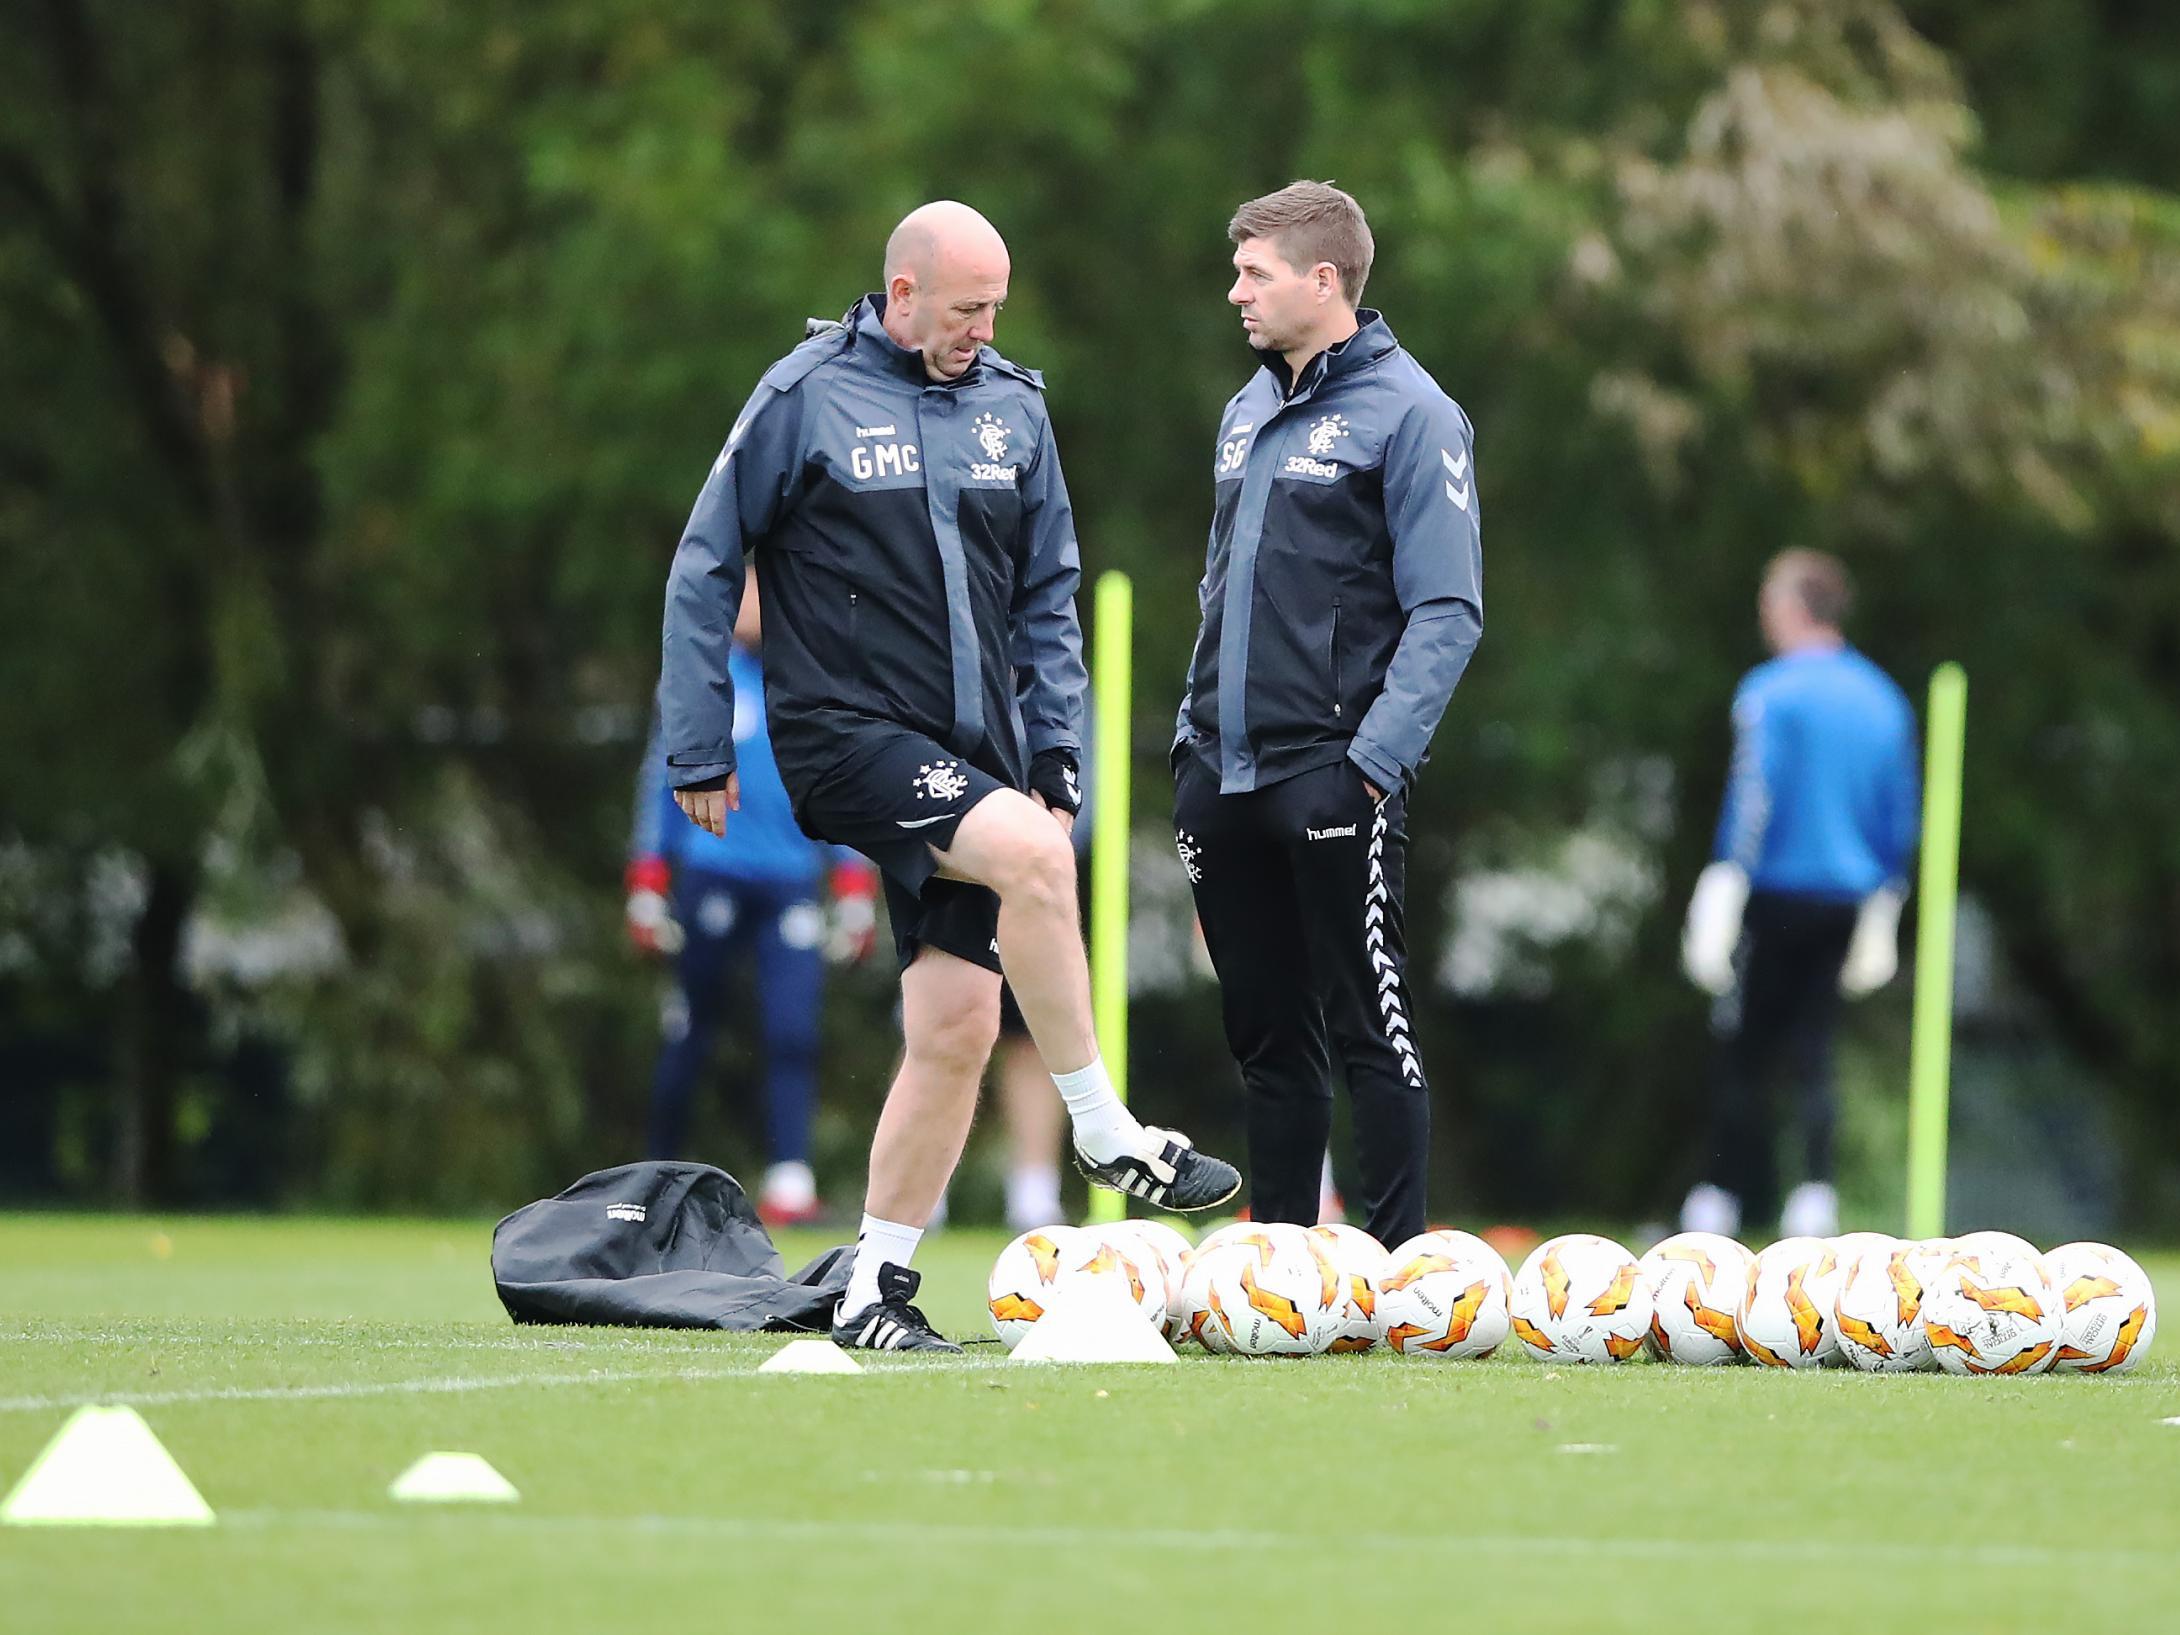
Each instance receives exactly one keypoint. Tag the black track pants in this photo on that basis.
(1300, 888)
(1783, 1009)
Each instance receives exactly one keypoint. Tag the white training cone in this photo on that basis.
(104, 1468)
(452, 1478)
(1093, 1325)
(809, 1357)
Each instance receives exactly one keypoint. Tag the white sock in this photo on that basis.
(880, 1243)
(788, 1185)
(1709, 1208)
(1104, 1128)
(1033, 1197)
(1812, 1211)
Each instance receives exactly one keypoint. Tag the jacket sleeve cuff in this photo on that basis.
(694, 770)
(1040, 741)
(1387, 774)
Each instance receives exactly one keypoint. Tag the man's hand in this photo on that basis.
(1060, 814)
(1056, 785)
(708, 808)
(1377, 795)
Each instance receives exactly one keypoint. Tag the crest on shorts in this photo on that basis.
(940, 781)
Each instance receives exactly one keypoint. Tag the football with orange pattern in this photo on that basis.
(1978, 1244)
(1696, 1280)
(1160, 1245)
(1025, 1279)
(1266, 1297)
(1993, 1313)
(2110, 1311)
(1358, 1260)
(1126, 1262)
(1878, 1312)
(1443, 1296)
(1580, 1298)
(1785, 1319)
(1192, 1319)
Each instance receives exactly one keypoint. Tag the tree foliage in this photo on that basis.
(359, 363)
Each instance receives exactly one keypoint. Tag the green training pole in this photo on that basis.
(1113, 677)
(1931, 1053)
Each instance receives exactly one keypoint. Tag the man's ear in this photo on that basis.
(899, 287)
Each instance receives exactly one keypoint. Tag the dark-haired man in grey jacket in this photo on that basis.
(1341, 598)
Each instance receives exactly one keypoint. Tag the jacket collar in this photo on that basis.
(1373, 338)
(867, 321)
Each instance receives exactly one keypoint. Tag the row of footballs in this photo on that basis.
(1986, 1303)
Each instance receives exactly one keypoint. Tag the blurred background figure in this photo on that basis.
(1801, 902)
(1033, 1119)
(757, 895)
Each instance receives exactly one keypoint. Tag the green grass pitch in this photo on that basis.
(294, 1368)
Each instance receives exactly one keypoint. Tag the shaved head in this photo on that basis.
(946, 279)
(941, 230)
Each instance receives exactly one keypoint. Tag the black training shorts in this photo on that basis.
(893, 794)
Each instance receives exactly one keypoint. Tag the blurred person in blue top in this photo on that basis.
(1801, 902)
(757, 894)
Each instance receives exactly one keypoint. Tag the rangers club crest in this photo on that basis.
(940, 781)
(991, 436)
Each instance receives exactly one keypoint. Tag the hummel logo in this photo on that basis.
(875, 431)
(1345, 831)
(733, 437)
(1458, 469)
(624, 1212)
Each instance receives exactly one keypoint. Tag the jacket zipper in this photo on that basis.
(1336, 658)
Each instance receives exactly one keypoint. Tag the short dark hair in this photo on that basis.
(1819, 581)
(1311, 222)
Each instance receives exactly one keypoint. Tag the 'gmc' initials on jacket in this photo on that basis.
(919, 562)
(1343, 592)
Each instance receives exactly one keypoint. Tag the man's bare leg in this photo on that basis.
(1020, 850)
(1017, 848)
(949, 1020)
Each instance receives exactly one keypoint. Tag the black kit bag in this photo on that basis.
(658, 1245)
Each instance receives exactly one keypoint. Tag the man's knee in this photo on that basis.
(1044, 864)
(1029, 855)
(954, 1023)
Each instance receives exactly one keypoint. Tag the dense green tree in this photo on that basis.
(359, 362)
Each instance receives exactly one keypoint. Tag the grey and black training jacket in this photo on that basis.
(1343, 589)
(919, 562)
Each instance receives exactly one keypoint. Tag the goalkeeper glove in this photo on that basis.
(1713, 928)
(651, 923)
(854, 931)
(1873, 955)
